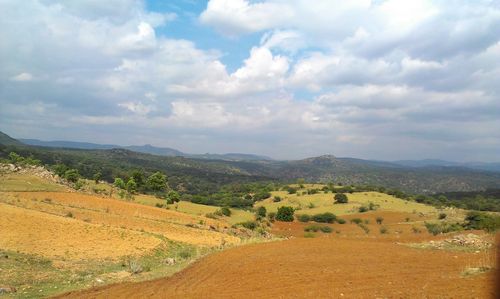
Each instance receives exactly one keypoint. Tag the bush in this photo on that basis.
(363, 209)
(309, 235)
(341, 221)
(484, 221)
(356, 220)
(312, 228)
(276, 199)
(285, 213)
(251, 225)
(225, 211)
(379, 220)
(261, 212)
(271, 216)
(442, 216)
(326, 229)
(383, 230)
(340, 198)
(72, 175)
(324, 217)
(442, 228)
(304, 218)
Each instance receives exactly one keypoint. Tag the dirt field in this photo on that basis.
(350, 264)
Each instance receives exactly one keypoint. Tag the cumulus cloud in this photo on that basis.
(350, 78)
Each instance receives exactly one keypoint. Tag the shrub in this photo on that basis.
(442, 228)
(309, 235)
(261, 212)
(69, 214)
(72, 175)
(341, 221)
(312, 228)
(276, 199)
(225, 211)
(356, 220)
(79, 184)
(326, 229)
(304, 218)
(364, 227)
(442, 216)
(271, 216)
(379, 220)
(211, 215)
(363, 209)
(134, 267)
(480, 220)
(383, 230)
(159, 205)
(324, 217)
(340, 198)
(285, 213)
(249, 224)
(416, 230)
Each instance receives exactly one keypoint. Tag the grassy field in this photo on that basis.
(26, 182)
(324, 202)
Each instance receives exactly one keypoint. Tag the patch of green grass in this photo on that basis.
(25, 182)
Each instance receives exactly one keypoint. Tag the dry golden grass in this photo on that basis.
(52, 236)
(170, 224)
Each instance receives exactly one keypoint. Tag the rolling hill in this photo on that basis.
(208, 173)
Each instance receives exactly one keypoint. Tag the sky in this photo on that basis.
(377, 79)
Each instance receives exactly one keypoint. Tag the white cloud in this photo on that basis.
(321, 77)
(22, 77)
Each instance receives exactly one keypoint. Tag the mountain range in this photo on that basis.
(206, 173)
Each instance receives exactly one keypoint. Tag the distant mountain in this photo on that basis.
(146, 149)
(433, 162)
(210, 171)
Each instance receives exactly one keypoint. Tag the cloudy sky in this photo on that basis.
(290, 79)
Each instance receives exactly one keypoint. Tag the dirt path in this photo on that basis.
(323, 267)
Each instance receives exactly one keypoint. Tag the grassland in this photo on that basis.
(324, 202)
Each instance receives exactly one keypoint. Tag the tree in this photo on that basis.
(157, 181)
(261, 212)
(131, 185)
(173, 197)
(341, 198)
(15, 158)
(285, 214)
(138, 176)
(97, 177)
(119, 183)
(72, 175)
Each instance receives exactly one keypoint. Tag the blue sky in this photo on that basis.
(381, 79)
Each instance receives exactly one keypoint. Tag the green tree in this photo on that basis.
(72, 175)
(131, 186)
(157, 182)
(119, 183)
(138, 176)
(173, 196)
(97, 177)
(341, 198)
(285, 213)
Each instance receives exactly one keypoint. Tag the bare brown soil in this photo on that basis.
(349, 264)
